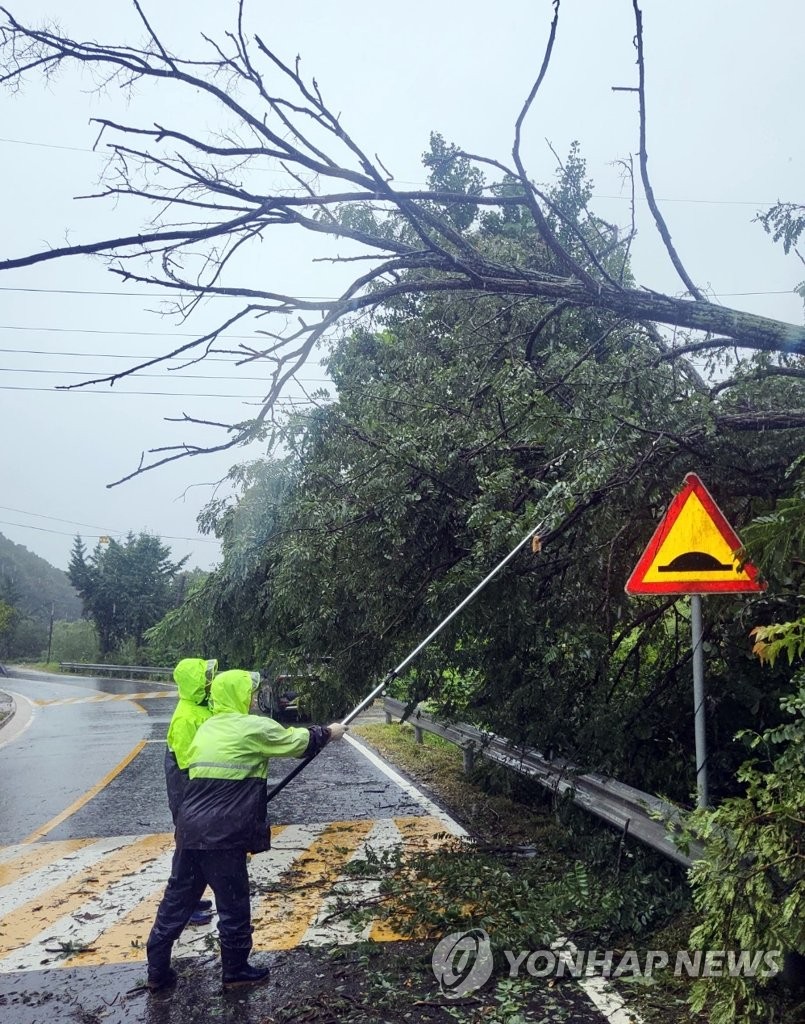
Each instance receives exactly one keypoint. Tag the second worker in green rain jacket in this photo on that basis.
(223, 817)
(193, 677)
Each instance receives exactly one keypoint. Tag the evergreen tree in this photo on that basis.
(125, 588)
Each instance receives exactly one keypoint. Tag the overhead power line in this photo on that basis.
(137, 334)
(42, 529)
(136, 376)
(55, 519)
(307, 298)
(65, 533)
(104, 530)
(116, 392)
(420, 184)
(143, 295)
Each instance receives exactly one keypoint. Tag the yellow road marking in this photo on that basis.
(419, 834)
(79, 803)
(22, 925)
(282, 918)
(27, 861)
(280, 922)
(103, 697)
(125, 941)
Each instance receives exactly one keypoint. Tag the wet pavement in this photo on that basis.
(116, 995)
(85, 850)
(86, 842)
(65, 752)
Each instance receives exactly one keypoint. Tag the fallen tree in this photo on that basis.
(205, 209)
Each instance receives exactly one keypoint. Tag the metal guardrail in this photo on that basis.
(126, 671)
(627, 809)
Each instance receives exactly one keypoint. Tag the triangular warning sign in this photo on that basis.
(693, 550)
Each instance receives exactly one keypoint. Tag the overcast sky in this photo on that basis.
(725, 93)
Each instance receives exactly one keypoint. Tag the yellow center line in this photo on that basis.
(281, 921)
(23, 925)
(103, 698)
(79, 803)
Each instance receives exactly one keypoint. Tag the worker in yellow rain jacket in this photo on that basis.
(223, 817)
(193, 678)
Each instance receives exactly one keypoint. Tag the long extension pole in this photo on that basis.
(406, 661)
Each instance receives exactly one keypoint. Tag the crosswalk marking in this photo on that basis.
(101, 698)
(418, 835)
(73, 912)
(17, 860)
(46, 880)
(283, 922)
(326, 926)
(124, 940)
(101, 895)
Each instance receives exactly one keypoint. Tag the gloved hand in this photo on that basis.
(337, 730)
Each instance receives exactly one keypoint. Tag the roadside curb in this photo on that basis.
(8, 708)
(20, 717)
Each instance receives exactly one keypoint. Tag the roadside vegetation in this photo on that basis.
(457, 427)
(537, 871)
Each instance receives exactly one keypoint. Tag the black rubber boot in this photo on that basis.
(161, 978)
(246, 975)
(160, 973)
(238, 971)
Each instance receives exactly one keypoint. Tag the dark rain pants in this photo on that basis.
(175, 782)
(226, 874)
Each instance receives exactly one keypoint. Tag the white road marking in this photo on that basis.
(597, 989)
(423, 801)
(265, 869)
(84, 926)
(22, 719)
(384, 835)
(16, 894)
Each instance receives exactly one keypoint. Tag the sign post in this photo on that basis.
(697, 637)
(693, 551)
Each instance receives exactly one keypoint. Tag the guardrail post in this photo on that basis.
(388, 718)
(418, 735)
(468, 752)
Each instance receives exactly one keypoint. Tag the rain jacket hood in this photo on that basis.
(192, 709)
(191, 679)
(231, 692)
(225, 806)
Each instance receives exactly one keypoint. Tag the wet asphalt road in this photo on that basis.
(66, 750)
(71, 746)
(88, 769)
(62, 786)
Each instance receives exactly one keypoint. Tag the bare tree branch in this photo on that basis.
(333, 189)
(659, 220)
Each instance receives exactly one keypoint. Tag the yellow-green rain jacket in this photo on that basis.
(225, 805)
(190, 676)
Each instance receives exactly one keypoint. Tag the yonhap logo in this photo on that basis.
(462, 962)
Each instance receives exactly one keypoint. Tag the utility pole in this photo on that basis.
(50, 631)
